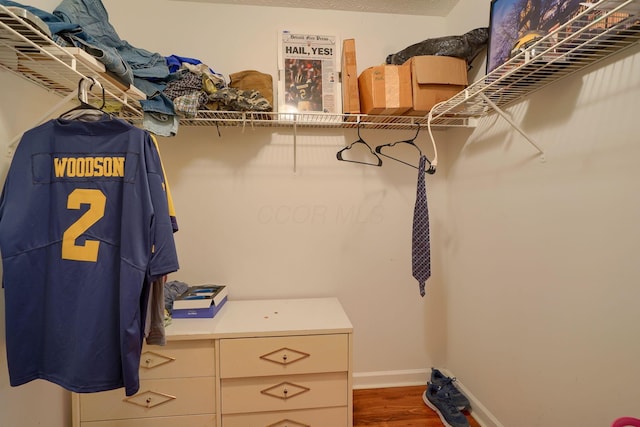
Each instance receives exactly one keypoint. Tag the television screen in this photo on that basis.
(516, 24)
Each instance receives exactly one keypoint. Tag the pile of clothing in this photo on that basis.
(175, 86)
(197, 87)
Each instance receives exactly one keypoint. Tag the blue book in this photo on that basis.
(201, 296)
(208, 312)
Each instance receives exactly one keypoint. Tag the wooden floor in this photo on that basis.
(395, 407)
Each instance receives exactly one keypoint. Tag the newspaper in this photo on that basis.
(309, 73)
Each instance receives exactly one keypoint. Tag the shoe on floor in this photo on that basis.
(458, 399)
(439, 400)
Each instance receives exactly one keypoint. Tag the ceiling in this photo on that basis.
(403, 7)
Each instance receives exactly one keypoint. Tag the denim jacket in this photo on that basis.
(85, 24)
(119, 57)
(55, 24)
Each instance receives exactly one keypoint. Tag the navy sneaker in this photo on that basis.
(458, 399)
(439, 400)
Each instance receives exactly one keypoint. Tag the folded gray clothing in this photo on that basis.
(172, 289)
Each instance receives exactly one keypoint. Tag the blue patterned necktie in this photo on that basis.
(421, 251)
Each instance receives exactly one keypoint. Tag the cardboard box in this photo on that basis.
(350, 93)
(434, 79)
(385, 89)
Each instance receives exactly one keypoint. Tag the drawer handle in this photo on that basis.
(285, 390)
(149, 399)
(153, 360)
(288, 423)
(285, 356)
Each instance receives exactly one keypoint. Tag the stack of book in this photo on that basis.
(199, 301)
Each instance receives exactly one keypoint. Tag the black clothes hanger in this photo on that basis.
(410, 142)
(82, 97)
(359, 141)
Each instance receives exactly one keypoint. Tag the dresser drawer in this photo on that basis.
(178, 359)
(283, 393)
(156, 398)
(329, 417)
(186, 421)
(248, 357)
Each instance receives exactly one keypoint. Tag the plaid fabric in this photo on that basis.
(188, 105)
(187, 84)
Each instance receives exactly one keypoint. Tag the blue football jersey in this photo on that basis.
(84, 228)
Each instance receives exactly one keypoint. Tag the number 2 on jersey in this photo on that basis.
(97, 202)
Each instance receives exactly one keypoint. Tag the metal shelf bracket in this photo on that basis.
(512, 123)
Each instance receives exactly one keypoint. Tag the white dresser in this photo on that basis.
(258, 363)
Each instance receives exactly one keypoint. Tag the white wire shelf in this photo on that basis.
(601, 29)
(312, 120)
(27, 51)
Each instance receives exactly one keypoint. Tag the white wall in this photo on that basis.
(533, 302)
(38, 403)
(542, 266)
(330, 228)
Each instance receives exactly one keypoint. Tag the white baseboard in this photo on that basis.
(412, 377)
(380, 379)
